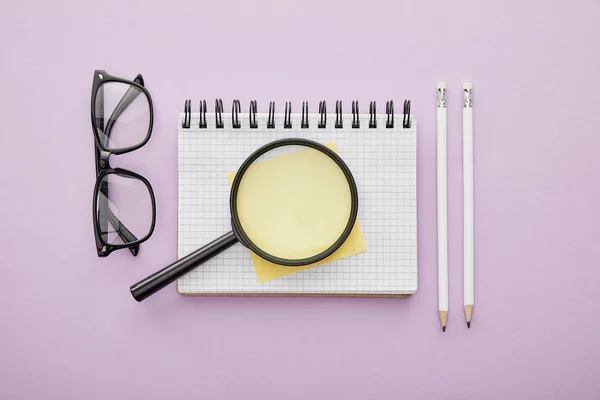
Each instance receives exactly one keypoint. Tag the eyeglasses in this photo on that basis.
(124, 209)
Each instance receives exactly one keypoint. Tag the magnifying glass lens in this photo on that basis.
(294, 202)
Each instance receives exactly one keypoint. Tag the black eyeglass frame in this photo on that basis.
(103, 169)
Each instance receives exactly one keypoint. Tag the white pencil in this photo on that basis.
(468, 201)
(442, 206)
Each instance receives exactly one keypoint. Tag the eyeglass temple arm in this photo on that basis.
(130, 95)
(124, 233)
(106, 216)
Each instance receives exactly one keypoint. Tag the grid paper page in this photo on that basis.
(383, 163)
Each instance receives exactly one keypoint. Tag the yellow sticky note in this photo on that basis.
(329, 214)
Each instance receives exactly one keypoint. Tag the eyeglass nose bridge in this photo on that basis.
(103, 160)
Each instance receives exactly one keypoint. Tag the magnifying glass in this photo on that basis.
(293, 202)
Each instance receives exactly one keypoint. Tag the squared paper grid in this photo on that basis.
(383, 162)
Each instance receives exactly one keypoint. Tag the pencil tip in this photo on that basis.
(443, 329)
(469, 324)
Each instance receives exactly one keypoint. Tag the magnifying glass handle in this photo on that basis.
(158, 280)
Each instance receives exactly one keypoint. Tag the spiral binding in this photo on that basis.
(187, 116)
(304, 121)
(219, 113)
(389, 110)
(287, 116)
(373, 115)
(323, 111)
(287, 121)
(235, 114)
(406, 115)
(202, 123)
(355, 115)
(271, 120)
(339, 123)
(252, 115)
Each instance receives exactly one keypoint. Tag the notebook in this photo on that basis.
(379, 149)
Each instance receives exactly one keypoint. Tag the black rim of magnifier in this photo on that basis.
(237, 226)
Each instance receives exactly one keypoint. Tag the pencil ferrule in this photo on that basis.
(468, 98)
(441, 97)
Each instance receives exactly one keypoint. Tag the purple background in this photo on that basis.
(69, 328)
